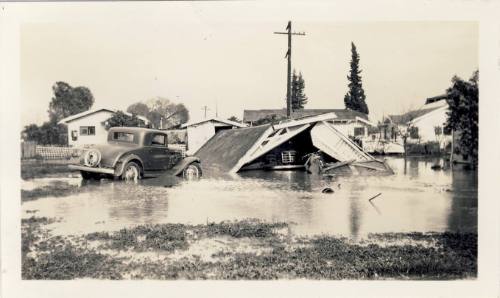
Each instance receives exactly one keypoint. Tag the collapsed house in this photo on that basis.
(287, 145)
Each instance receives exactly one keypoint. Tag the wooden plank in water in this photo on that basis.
(368, 166)
(286, 167)
(338, 165)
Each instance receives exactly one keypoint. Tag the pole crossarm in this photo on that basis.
(293, 33)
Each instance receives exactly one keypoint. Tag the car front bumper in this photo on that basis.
(93, 170)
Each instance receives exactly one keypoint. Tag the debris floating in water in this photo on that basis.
(436, 167)
(374, 196)
(327, 190)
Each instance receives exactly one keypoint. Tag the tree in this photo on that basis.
(46, 134)
(463, 115)
(68, 101)
(31, 132)
(355, 97)
(234, 119)
(139, 108)
(161, 112)
(122, 119)
(299, 99)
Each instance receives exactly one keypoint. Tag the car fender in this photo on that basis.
(123, 160)
(180, 166)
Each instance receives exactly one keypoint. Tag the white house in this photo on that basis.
(429, 127)
(421, 126)
(89, 127)
(199, 132)
(354, 127)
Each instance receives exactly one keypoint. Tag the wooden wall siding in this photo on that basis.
(28, 150)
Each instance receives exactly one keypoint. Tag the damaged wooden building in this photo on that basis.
(287, 145)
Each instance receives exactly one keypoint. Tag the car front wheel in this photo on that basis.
(131, 172)
(192, 171)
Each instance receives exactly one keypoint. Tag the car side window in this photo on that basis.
(159, 140)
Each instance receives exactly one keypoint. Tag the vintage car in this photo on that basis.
(132, 153)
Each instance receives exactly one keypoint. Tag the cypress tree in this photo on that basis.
(355, 97)
(299, 99)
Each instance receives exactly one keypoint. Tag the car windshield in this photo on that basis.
(121, 136)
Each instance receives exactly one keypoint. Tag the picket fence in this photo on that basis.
(30, 150)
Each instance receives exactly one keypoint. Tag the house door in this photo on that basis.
(159, 155)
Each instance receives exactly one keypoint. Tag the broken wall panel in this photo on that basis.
(332, 142)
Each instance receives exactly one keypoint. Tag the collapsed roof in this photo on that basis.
(230, 150)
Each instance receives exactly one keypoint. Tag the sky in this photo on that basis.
(225, 56)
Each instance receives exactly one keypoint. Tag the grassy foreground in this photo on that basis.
(45, 168)
(248, 249)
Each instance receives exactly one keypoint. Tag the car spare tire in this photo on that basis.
(92, 158)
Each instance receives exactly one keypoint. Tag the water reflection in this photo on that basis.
(415, 199)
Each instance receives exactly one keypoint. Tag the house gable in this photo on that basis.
(89, 113)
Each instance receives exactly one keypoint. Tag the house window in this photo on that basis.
(87, 130)
(414, 132)
(359, 131)
(438, 130)
(158, 140)
(74, 135)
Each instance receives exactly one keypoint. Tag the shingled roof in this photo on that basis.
(411, 115)
(223, 151)
(342, 114)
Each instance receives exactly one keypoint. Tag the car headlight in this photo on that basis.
(92, 158)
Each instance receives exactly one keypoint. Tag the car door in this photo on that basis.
(159, 155)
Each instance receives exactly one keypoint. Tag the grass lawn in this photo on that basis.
(247, 249)
(45, 168)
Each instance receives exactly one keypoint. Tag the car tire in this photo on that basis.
(131, 172)
(192, 171)
(89, 176)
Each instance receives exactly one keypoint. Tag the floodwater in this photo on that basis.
(416, 198)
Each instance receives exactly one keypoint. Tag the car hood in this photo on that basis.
(110, 152)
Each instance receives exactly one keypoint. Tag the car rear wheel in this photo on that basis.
(192, 171)
(131, 172)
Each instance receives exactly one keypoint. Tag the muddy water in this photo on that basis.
(416, 198)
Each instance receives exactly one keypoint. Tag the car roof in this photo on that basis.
(135, 129)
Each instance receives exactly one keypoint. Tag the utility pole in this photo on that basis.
(289, 71)
(206, 109)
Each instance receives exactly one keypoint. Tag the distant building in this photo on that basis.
(89, 127)
(421, 126)
(350, 123)
(199, 132)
